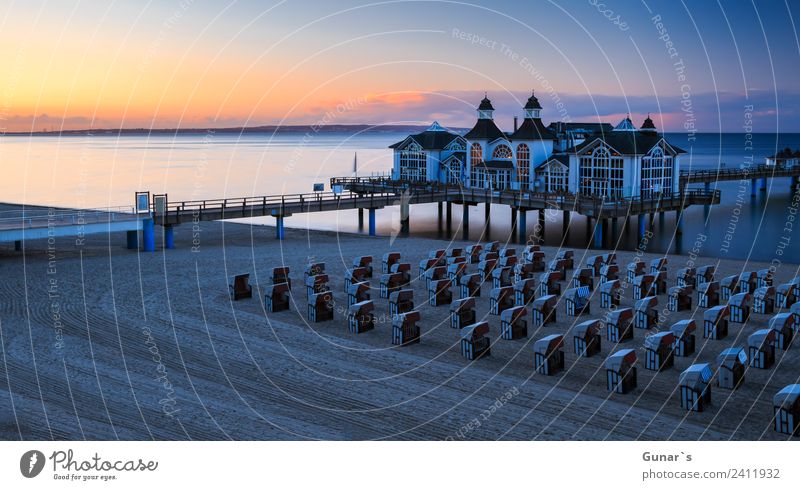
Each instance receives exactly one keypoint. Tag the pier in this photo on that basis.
(18, 223)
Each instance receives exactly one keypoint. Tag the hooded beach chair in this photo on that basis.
(683, 331)
(462, 312)
(621, 371)
(732, 363)
(786, 408)
(524, 291)
(610, 294)
(544, 310)
(276, 298)
(715, 322)
(358, 292)
(239, 287)
(619, 325)
(470, 285)
(680, 298)
(513, 323)
(686, 277)
(439, 292)
(401, 301)
(740, 304)
(405, 330)
(360, 318)
(576, 301)
(474, 341)
(586, 338)
(320, 307)
(659, 350)
(761, 348)
(708, 294)
(389, 259)
(501, 299)
(764, 300)
(548, 283)
(646, 313)
(609, 272)
(548, 354)
(695, 387)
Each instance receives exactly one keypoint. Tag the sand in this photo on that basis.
(101, 342)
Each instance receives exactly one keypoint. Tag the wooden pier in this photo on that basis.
(373, 193)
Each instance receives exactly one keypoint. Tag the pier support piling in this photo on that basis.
(598, 234)
(279, 233)
(465, 221)
(523, 226)
(487, 209)
(371, 222)
(763, 184)
(641, 227)
(513, 221)
(18, 245)
(361, 218)
(707, 186)
(753, 188)
(149, 235)
(133, 239)
(565, 222)
(679, 222)
(405, 215)
(449, 215)
(540, 227)
(169, 237)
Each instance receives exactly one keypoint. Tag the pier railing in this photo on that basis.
(583, 204)
(40, 217)
(741, 173)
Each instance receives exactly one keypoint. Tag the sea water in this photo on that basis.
(105, 170)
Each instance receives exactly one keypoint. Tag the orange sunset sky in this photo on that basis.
(216, 64)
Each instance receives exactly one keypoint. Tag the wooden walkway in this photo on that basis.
(376, 193)
(746, 173)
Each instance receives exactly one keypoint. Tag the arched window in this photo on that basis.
(601, 173)
(555, 177)
(478, 170)
(502, 152)
(523, 165)
(413, 163)
(656, 173)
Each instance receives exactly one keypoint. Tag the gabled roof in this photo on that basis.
(532, 129)
(433, 138)
(626, 142)
(562, 158)
(484, 129)
(459, 155)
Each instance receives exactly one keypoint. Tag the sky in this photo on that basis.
(702, 65)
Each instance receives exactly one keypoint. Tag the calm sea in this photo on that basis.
(102, 171)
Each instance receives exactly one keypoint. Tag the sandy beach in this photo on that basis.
(101, 342)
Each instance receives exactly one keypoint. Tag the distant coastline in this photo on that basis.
(275, 129)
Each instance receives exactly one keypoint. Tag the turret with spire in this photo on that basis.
(485, 128)
(532, 127)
